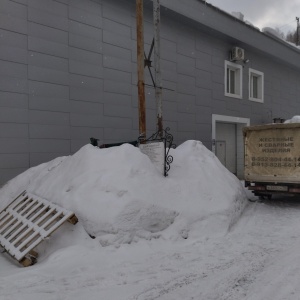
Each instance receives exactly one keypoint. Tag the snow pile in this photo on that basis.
(238, 15)
(120, 197)
(293, 44)
(294, 119)
(272, 32)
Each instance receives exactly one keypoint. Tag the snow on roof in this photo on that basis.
(272, 31)
(238, 15)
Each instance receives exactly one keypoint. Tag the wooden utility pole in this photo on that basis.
(140, 67)
(158, 81)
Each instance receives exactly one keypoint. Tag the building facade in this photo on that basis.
(68, 72)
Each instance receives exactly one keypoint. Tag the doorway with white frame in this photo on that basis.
(227, 142)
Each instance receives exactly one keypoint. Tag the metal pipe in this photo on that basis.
(158, 80)
(297, 32)
(140, 68)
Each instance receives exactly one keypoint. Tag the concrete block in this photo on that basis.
(14, 145)
(186, 84)
(16, 100)
(13, 115)
(39, 158)
(12, 69)
(7, 174)
(48, 75)
(86, 69)
(48, 61)
(117, 63)
(203, 97)
(49, 145)
(15, 160)
(11, 23)
(86, 107)
(84, 30)
(85, 133)
(86, 94)
(44, 89)
(14, 130)
(48, 47)
(14, 85)
(85, 17)
(116, 12)
(85, 82)
(119, 88)
(49, 103)
(38, 131)
(116, 40)
(13, 54)
(117, 111)
(116, 27)
(48, 118)
(86, 120)
(86, 43)
(47, 33)
(48, 18)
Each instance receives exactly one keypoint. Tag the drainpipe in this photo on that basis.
(158, 81)
(140, 68)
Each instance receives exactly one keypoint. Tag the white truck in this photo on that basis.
(272, 159)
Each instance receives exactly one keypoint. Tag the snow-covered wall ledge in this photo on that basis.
(240, 33)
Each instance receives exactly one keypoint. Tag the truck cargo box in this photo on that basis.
(272, 158)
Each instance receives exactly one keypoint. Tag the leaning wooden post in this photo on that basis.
(140, 68)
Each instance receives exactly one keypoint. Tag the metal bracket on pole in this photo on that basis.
(148, 62)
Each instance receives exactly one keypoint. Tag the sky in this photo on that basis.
(276, 13)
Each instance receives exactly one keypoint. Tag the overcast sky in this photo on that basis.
(264, 13)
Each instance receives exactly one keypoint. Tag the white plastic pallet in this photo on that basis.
(27, 221)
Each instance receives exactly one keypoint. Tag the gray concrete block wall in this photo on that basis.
(68, 72)
(86, 72)
(14, 136)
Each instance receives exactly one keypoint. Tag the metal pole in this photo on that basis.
(140, 68)
(158, 81)
(297, 32)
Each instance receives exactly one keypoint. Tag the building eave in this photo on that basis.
(232, 28)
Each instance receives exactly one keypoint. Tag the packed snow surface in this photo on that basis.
(191, 235)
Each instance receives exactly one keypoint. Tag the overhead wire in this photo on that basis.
(288, 24)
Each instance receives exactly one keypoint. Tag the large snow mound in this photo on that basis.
(119, 196)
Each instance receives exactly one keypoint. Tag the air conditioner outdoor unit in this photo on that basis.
(237, 53)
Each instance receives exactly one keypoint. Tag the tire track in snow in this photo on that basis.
(245, 253)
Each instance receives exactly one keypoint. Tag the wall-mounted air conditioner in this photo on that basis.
(237, 53)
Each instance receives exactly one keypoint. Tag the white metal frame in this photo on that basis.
(240, 122)
(260, 87)
(238, 79)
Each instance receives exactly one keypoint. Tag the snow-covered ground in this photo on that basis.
(192, 235)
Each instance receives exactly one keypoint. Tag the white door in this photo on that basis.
(221, 151)
(226, 136)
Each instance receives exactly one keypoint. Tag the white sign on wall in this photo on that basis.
(156, 152)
